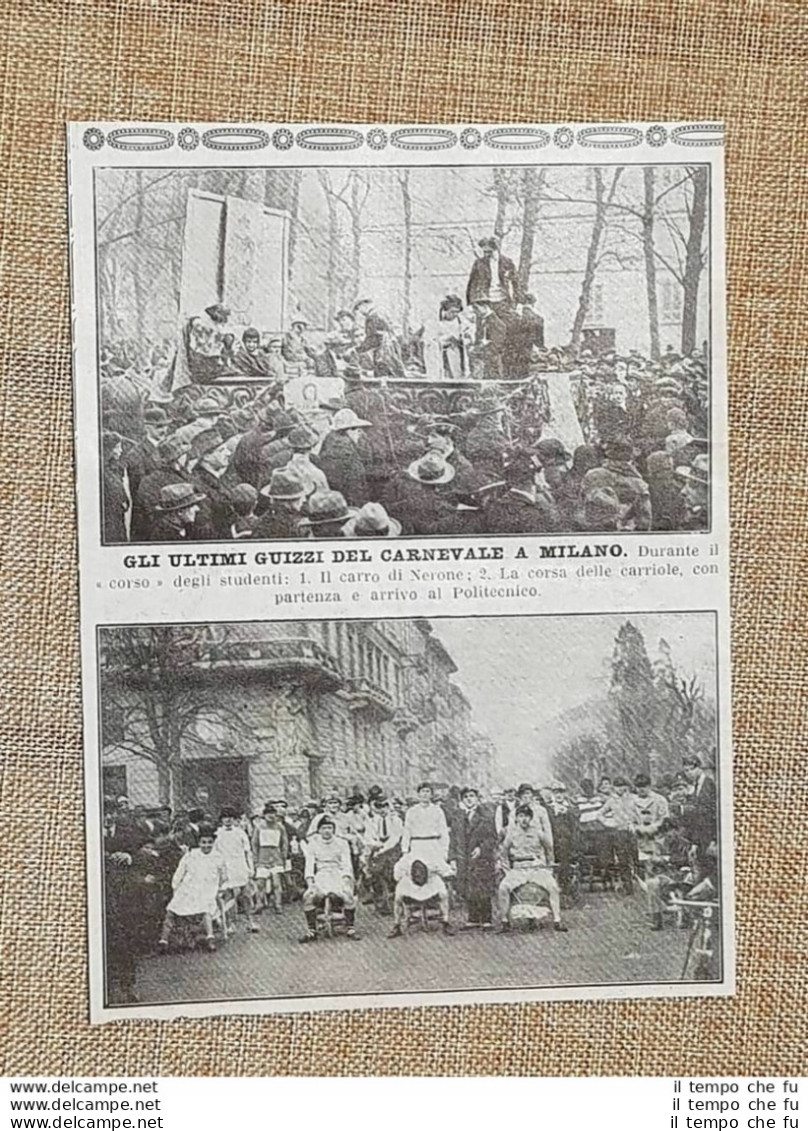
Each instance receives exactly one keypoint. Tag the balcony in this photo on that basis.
(364, 695)
(294, 656)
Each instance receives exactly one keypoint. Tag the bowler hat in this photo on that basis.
(302, 439)
(177, 496)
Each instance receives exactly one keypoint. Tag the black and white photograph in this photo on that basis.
(298, 811)
(394, 351)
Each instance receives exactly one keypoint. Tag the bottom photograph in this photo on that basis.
(294, 811)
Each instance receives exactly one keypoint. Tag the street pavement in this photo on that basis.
(609, 942)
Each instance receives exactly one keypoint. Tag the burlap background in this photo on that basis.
(401, 60)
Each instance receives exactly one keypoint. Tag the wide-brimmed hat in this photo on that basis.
(282, 422)
(675, 441)
(302, 439)
(205, 442)
(171, 448)
(284, 485)
(327, 506)
(432, 469)
(372, 521)
(178, 496)
(242, 497)
(217, 311)
(298, 320)
(207, 406)
(155, 416)
(601, 507)
(346, 418)
(697, 472)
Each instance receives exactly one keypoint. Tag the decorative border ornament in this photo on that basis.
(517, 137)
(610, 137)
(423, 137)
(135, 138)
(235, 137)
(93, 138)
(704, 133)
(414, 138)
(338, 137)
(283, 138)
(471, 138)
(188, 138)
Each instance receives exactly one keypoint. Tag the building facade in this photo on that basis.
(263, 710)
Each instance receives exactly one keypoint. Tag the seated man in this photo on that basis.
(527, 850)
(328, 872)
(418, 883)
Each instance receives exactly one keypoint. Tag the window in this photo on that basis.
(671, 301)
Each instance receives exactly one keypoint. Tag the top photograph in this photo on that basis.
(411, 351)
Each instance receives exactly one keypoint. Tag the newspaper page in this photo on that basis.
(402, 483)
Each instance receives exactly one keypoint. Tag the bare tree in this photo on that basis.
(333, 240)
(532, 184)
(153, 700)
(502, 193)
(406, 204)
(139, 276)
(694, 257)
(352, 197)
(604, 197)
(650, 260)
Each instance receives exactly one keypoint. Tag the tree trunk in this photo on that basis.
(650, 261)
(294, 208)
(532, 183)
(602, 202)
(355, 211)
(501, 189)
(139, 274)
(694, 262)
(406, 201)
(166, 790)
(333, 242)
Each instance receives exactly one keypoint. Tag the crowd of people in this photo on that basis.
(468, 857)
(200, 469)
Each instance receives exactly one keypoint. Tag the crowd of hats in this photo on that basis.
(645, 426)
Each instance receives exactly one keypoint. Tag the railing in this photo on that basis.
(291, 653)
(363, 693)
